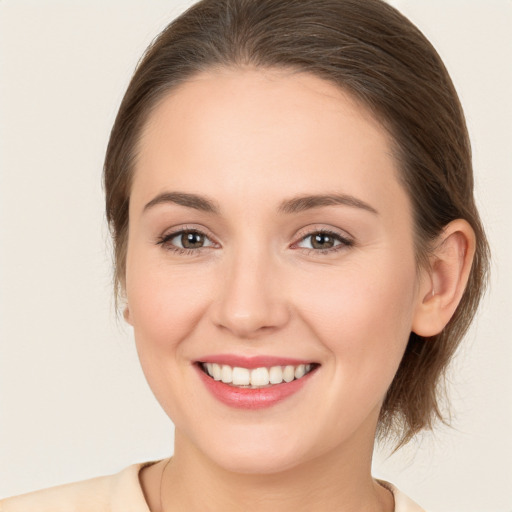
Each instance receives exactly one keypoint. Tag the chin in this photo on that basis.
(248, 450)
(264, 450)
(254, 461)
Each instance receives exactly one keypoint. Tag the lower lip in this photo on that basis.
(247, 398)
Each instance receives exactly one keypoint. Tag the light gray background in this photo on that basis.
(73, 401)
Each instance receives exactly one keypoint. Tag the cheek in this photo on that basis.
(163, 300)
(166, 304)
(363, 316)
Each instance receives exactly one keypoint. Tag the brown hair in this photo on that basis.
(372, 51)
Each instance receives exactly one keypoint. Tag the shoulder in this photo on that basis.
(114, 493)
(402, 502)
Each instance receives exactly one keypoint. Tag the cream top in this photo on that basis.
(119, 493)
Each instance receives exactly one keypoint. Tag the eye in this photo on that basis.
(324, 241)
(186, 241)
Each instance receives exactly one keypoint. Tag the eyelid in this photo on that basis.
(322, 228)
(171, 233)
(345, 239)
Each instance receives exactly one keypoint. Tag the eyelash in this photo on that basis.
(344, 242)
(165, 240)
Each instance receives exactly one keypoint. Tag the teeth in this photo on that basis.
(257, 377)
(226, 374)
(300, 371)
(276, 375)
(288, 373)
(241, 376)
(216, 371)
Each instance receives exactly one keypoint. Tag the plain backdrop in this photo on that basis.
(73, 400)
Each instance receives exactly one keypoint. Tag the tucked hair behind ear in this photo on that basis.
(370, 50)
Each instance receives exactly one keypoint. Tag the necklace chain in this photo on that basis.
(162, 483)
(170, 458)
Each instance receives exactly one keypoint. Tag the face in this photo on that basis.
(269, 237)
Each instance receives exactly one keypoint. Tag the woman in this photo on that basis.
(289, 190)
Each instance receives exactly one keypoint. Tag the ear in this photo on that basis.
(126, 315)
(443, 284)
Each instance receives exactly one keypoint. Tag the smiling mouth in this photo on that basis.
(256, 378)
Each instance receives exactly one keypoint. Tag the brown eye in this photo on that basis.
(186, 240)
(322, 241)
(192, 239)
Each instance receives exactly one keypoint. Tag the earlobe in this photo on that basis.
(443, 284)
(126, 315)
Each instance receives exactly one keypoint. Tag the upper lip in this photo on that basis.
(252, 361)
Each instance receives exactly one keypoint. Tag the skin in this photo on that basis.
(249, 140)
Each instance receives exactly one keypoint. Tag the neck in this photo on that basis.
(339, 480)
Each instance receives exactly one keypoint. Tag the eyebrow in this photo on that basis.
(194, 201)
(288, 206)
(307, 202)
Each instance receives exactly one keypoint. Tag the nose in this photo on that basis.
(251, 299)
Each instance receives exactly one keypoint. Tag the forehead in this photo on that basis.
(259, 133)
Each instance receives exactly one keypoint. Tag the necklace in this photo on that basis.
(382, 484)
(161, 483)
